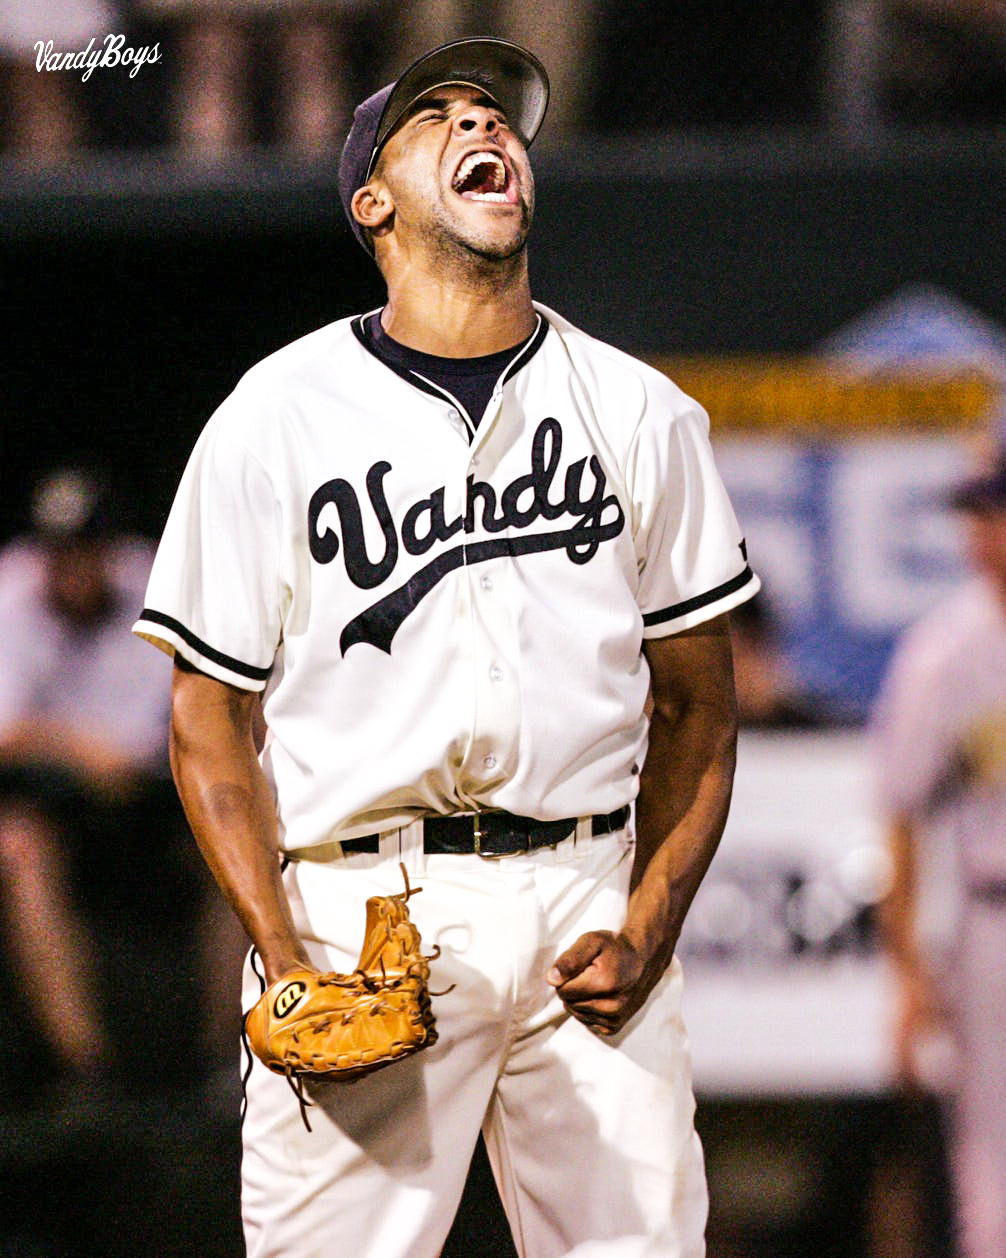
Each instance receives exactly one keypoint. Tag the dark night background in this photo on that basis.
(703, 207)
(131, 312)
(710, 203)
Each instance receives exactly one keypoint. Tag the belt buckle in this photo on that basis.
(479, 834)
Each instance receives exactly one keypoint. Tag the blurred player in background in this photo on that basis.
(941, 731)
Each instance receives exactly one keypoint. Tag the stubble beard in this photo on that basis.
(455, 241)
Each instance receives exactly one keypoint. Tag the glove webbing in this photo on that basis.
(358, 978)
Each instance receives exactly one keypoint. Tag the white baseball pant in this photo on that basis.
(591, 1140)
(978, 1114)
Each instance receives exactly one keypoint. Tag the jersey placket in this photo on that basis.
(490, 760)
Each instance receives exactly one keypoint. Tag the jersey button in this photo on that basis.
(496, 673)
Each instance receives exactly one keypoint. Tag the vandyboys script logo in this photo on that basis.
(580, 497)
(112, 51)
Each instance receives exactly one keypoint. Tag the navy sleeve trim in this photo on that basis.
(204, 649)
(700, 600)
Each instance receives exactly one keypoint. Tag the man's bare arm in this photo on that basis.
(918, 1011)
(230, 809)
(684, 797)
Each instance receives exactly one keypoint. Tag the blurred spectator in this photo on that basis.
(224, 49)
(235, 73)
(44, 115)
(94, 873)
(309, 52)
(941, 736)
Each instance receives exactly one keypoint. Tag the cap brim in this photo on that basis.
(513, 77)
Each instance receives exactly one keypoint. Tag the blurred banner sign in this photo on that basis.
(838, 466)
(852, 540)
(824, 395)
(786, 991)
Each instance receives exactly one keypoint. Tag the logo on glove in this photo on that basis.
(289, 998)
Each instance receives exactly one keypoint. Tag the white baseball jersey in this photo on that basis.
(441, 618)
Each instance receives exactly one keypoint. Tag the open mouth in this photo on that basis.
(483, 176)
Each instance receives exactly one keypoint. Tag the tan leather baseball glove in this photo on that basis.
(343, 1026)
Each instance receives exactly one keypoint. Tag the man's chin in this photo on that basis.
(495, 246)
(493, 241)
(495, 251)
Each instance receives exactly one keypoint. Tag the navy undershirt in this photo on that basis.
(470, 380)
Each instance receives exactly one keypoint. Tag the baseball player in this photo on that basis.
(451, 545)
(940, 731)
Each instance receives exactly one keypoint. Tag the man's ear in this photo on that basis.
(373, 207)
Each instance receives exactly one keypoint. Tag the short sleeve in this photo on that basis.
(214, 594)
(692, 557)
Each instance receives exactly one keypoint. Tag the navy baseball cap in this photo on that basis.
(512, 76)
(985, 492)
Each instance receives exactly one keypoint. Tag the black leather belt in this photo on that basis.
(494, 834)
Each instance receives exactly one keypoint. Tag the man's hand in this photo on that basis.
(684, 793)
(602, 980)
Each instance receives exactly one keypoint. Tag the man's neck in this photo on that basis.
(483, 313)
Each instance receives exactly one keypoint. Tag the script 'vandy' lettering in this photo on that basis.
(526, 500)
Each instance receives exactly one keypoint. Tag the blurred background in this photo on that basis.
(796, 210)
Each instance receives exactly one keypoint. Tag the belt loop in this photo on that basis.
(578, 843)
(406, 845)
(389, 845)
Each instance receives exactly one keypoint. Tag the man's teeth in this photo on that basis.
(494, 177)
(480, 159)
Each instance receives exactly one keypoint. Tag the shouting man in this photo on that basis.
(453, 546)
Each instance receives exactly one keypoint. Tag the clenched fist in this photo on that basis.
(602, 980)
